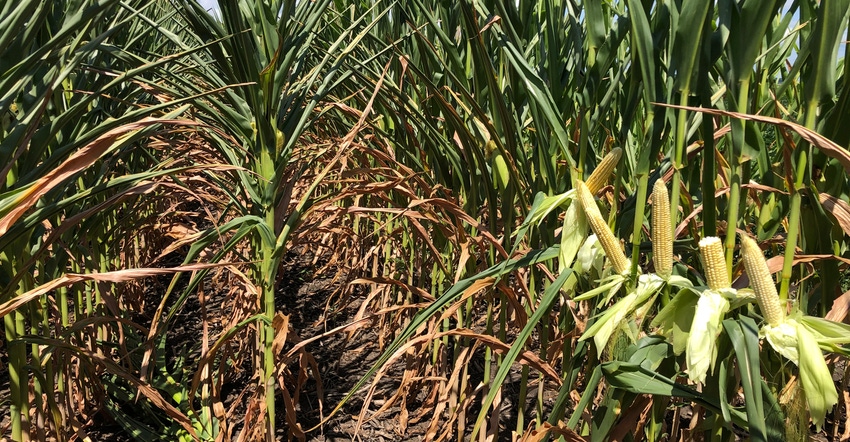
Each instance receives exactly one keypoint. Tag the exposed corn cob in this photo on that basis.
(596, 181)
(662, 231)
(761, 282)
(609, 242)
(714, 263)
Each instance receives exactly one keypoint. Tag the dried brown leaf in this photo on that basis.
(83, 158)
(633, 420)
(389, 281)
(547, 430)
(838, 208)
(116, 276)
(526, 358)
(774, 264)
(840, 308)
(280, 323)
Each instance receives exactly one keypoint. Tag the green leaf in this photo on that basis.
(586, 397)
(650, 352)
(749, 24)
(743, 332)
(688, 41)
(643, 48)
(637, 379)
(830, 26)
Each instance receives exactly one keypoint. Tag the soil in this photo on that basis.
(342, 362)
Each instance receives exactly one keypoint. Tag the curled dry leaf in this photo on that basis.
(116, 276)
(381, 280)
(840, 308)
(774, 264)
(547, 430)
(78, 161)
(838, 208)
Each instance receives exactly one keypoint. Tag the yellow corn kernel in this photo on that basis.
(761, 282)
(714, 263)
(610, 243)
(662, 231)
(596, 181)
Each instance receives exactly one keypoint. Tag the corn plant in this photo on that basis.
(73, 111)
(529, 96)
(483, 168)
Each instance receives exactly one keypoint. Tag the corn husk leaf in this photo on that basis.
(501, 173)
(601, 330)
(651, 284)
(544, 205)
(815, 377)
(742, 298)
(604, 327)
(702, 342)
(675, 319)
(573, 234)
(826, 331)
(680, 281)
(610, 284)
(590, 256)
(783, 338)
(541, 207)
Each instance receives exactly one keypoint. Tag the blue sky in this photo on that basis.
(209, 4)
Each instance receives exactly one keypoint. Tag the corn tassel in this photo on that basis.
(714, 263)
(761, 282)
(662, 231)
(596, 181)
(610, 243)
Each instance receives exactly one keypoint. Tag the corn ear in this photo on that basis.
(596, 181)
(714, 263)
(499, 166)
(761, 282)
(279, 140)
(610, 243)
(662, 231)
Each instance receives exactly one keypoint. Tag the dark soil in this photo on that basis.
(301, 295)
